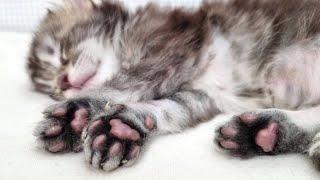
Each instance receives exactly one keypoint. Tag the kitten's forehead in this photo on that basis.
(57, 23)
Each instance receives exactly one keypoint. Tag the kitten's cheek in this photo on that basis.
(70, 93)
(96, 81)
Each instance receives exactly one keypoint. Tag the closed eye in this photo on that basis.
(49, 50)
(64, 61)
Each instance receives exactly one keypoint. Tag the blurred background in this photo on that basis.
(24, 15)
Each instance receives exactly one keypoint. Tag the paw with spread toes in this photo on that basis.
(116, 138)
(63, 123)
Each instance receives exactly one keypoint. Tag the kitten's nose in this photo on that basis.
(64, 82)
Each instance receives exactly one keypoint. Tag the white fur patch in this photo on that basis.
(217, 80)
(97, 60)
(109, 66)
(306, 119)
(293, 78)
(314, 148)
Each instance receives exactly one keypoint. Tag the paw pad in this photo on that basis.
(249, 133)
(248, 118)
(58, 147)
(53, 131)
(62, 127)
(123, 131)
(266, 138)
(113, 142)
(99, 142)
(149, 123)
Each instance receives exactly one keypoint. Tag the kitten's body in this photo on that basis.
(172, 69)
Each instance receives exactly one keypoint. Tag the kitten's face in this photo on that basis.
(88, 60)
(58, 65)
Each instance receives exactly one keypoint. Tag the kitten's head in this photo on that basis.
(66, 52)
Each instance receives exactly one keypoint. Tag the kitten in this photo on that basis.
(162, 70)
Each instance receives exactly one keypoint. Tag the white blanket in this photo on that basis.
(189, 155)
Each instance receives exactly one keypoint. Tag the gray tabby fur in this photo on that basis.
(184, 66)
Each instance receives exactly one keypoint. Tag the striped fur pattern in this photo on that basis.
(162, 70)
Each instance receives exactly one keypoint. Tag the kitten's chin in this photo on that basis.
(70, 93)
(74, 91)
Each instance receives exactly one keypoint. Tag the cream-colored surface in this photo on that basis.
(189, 155)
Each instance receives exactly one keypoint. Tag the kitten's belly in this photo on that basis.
(218, 84)
(217, 79)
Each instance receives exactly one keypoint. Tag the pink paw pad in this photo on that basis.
(267, 137)
(99, 142)
(149, 123)
(248, 118)
(58, 147)
(115, 149)
(229, 131)
(228, 144)
(123, 131)
(80, 120)
(53, 131)
(59, 112)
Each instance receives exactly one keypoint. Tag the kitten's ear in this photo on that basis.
(49, 12)
(94, 4)
(82, 4)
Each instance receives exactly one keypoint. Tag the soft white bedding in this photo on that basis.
(189, 155)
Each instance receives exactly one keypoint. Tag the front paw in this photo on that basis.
(63, 123)
(264, 132)
(117, 137)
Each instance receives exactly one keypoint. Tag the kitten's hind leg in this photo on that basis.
(270, 131)
(314, 151)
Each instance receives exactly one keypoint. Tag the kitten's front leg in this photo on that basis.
(117, 137)
(63, 123)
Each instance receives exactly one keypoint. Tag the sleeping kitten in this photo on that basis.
(45, 62)
(161, 70)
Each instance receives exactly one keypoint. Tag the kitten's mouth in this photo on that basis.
(84, 83)
(80, 78)
(74, 89)
(68, 87)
